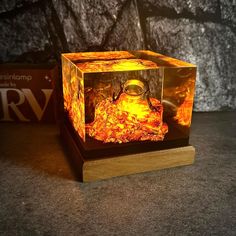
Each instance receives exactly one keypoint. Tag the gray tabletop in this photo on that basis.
(40, 196)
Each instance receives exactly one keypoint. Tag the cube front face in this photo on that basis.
(127, 97)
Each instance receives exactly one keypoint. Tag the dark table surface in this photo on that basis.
(40, 196)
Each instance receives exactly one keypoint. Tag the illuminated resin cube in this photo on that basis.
(120, 97)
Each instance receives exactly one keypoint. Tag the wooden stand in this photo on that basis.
(89, 170)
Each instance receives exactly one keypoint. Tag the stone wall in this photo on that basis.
(199, 31)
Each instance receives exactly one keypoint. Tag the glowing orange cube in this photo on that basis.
(128, 96)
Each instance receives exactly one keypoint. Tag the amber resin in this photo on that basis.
(120, 97)
(127, 120)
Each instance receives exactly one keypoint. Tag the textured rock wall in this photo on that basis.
(199, 31)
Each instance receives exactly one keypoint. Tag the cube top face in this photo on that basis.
(128, 96)
(90, 56)
(92, 62)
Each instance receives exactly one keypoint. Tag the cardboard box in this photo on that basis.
(27, 92)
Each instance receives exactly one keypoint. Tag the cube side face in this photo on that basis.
(73, 94)
(66, 71)
(113, 115)
(178, 97)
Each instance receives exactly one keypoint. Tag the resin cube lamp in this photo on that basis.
(126, 112)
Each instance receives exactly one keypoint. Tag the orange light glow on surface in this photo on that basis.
(126, 120)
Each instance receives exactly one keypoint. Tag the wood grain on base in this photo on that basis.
(137, 163)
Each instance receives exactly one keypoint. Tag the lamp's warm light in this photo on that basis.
(116, 96)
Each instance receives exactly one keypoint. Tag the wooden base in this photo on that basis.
(103, 168)
(137, 163)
